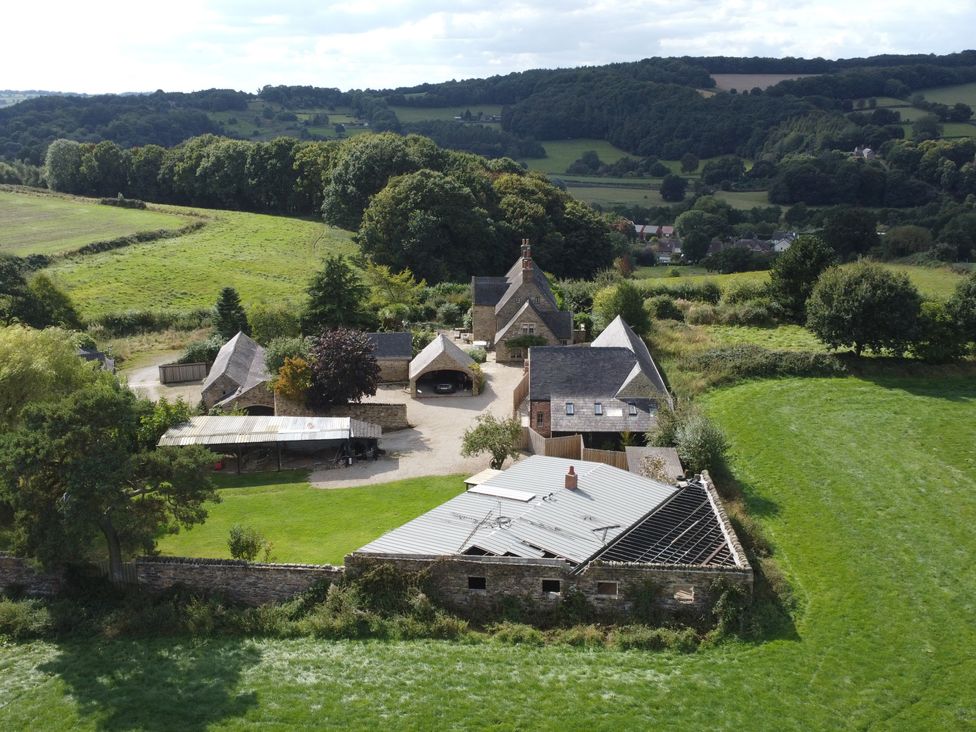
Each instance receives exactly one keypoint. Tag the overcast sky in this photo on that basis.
(182, 45)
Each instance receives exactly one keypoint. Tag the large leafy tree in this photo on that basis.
(697, 228)
(864, 306)
(229, 315)
(62, 166)
(851, 231)
(344, 368)
(39, 366)
(625, 300)
(336, 297)
(88, 465)
(962, 306)
(795, 272)
(501, 438)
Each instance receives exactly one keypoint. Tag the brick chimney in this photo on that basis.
(571, 478)
(526, 255)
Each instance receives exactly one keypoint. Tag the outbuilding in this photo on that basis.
(442, 368)
(393, 353)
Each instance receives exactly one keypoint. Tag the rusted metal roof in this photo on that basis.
(258, 430)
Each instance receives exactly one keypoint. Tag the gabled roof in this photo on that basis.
(668, 455)
(517, 277)
(559, 322)
(488, 290)
(577, 371)
(242, 361)
(526, 511)
(440, 346)
(620, 335)
(392, 345)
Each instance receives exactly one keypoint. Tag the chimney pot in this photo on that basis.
(571, 478)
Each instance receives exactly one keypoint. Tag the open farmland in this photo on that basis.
(748, 82)
(419, 114)
(269, 259)
(868, 491)
(308, 524)
(50, 224)
(608, 195)
(965, 93)
(560, 154)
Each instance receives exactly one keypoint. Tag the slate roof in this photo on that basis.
(440, 345)
(392, 345)
(616, 416)
(242, 361)
(559, 322)
(672, 463)
(516, 278)
(620, 335)
(577, 371)
(526, 511)
(488, 290)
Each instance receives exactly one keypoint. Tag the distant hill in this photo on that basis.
(649, 108)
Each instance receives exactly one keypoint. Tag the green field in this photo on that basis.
(419, 114)
(306, 524)
(47, 224)
(613, 195)
(935, 282)
(782, 337)
(958, 129)
(965, 93)
(269, 259)
(744, 199)
(867, 489)
(560, 154)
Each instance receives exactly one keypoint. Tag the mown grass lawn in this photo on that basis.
(47, 224)
(868, 490)
(305, 524)
(269, 259)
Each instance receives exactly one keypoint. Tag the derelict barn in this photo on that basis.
(339, 439)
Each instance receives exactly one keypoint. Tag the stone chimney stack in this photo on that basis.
(526, 255)
(571, 478)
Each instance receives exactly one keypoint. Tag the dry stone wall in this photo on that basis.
(18, 575)
(388, 416)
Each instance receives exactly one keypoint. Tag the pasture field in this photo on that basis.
(419, 114)
(934, 282)
(51, 224)
(781, 338)
(747, 82)
(744, 200)
(560, 154)
(306, 524)
(965, 93)
(958, 129)
(617, 195)
(867, 489)
(269, 259)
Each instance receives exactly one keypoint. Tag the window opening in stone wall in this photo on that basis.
(607, 589)
(551, 585)
(477, 583)
(685, 595)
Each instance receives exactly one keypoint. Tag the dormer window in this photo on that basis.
(570, 409)
(598, 408)
(632, 410)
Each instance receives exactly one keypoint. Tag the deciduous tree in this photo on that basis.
(501, 438)
(795, 272)
(625, 300)
(344, 368)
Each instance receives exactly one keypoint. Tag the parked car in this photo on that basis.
(445, 387)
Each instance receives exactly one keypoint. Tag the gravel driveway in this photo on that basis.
(144, 381)
(433, 445)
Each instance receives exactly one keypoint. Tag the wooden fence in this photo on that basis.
(609, 457)
(520, 393)
(174, 373)
(129, 575)
(564, 447)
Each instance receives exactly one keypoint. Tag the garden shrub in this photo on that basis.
(664, 307)
(585, 636)
(449, 313)
(22, 619)
(700, 443)
(245, 542)
(479, 355)
(744, 291)
(285, 347)
(746, 360)
(644, 638)
(516, 634)
(699, 291)
(202, 351)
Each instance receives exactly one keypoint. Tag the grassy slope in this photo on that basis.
(869, 492)
(44, 224)
(561, 153)
(308, 524)
(267, 258)
(965, 93)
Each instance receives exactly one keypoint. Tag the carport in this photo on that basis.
(342, 438)
(442, 368)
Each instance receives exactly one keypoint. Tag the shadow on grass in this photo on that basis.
(156, 684)
(951, 381)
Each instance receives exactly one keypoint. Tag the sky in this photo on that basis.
(184, 45)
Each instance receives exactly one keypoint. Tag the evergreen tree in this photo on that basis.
(336, 297)
(229, 315)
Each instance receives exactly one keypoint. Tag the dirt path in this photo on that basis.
(433, 445)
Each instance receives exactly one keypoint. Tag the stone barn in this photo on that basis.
(393, 352)
(442, 368)
(239, 379)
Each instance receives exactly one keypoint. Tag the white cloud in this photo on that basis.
(181, 45)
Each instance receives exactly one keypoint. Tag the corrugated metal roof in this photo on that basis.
(555, 522)
(256, 430)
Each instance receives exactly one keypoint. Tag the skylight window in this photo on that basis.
(597, 408)
(632, 410)
(570, 409)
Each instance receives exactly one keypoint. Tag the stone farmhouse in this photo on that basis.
(239, 379)
(548, 525)
(519, 304)
(610, 387)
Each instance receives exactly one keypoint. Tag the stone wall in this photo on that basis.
(17, 574)
(388, 416)
(257, 396)
(537, 407)
(250, 584)
(394, 370)
(514, 330)
(609, 587)
(483, 323)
